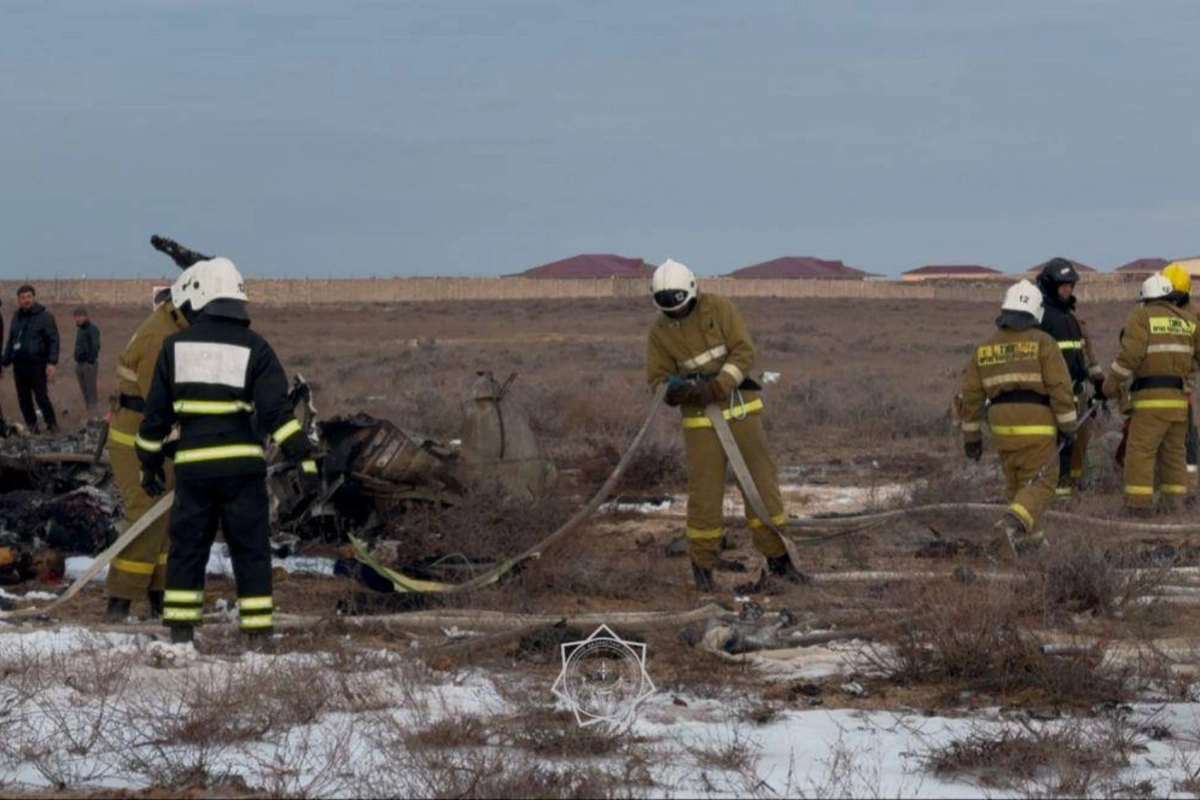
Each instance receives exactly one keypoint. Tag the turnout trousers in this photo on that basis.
(142, 566)
(706, 465)
(30, 378)
(1155, 449)
(1022, 458)
(1071, 461)
(239, 504)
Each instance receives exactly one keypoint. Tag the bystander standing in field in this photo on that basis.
(87, 355)
(32, 351)
(1019, 380)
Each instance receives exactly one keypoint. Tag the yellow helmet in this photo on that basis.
(1180, 278)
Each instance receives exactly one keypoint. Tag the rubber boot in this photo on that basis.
(704, 579)
(182, 634)
(782, 567)
(118, 609)
(156, 604)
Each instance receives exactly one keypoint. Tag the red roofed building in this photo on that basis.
(602, 265)
(800, 267)
(939, 271)
(1142, 266)
(1078, 265)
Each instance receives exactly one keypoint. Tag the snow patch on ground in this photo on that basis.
(219, 563)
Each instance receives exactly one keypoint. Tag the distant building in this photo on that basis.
(942, 271)
(1143, 267)
(1191, 264)
(804, 267)
(1078, 265)
(602, 265)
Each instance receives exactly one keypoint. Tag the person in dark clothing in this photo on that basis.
(1057, 280)
(32, 351)
(87, 354)
(224, 386)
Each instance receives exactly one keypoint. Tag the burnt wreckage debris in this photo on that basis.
(58, 499)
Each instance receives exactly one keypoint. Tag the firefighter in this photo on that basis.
(140, 569)
(224, 386)
(701, 346)
(1019, 378)
(1158, 346)
(1181, 292)
(1057, 281)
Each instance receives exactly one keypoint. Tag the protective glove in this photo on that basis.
(309, 478)
(677, 390)
(973, 450)
(154, 479)
(710, 391)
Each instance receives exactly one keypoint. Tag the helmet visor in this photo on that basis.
(669, 299)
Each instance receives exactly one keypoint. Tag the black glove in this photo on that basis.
(677, 391)
(309, 478)
(973, 450)
(154, 479)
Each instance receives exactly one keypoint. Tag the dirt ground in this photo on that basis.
(861, 402)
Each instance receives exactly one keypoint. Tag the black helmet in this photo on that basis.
(1056, 272)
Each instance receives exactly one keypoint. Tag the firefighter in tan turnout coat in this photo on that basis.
(140, 569)
(701, 346)
(1018, 378)
(1158, 347)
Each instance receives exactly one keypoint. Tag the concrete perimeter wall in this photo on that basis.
(304, 291)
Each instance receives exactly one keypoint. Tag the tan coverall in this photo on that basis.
(713, 340)
(1024, 377)
(142, 565)
(1158, 348)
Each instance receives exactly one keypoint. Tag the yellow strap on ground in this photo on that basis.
(286, 431)
(730, 413)
(217, 453)
(133, 567)
(404, 583)
(125, 439)
(1181, 403)
(1024, 430)
(214, 407)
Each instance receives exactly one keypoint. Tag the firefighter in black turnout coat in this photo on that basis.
(1057, 280)
(225, 388)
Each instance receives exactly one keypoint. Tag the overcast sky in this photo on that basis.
(459, 138)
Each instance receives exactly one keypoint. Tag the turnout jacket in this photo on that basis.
(135, 371)
(1158, 351)
(1020, 379)
(1060, 321)
(225, 387)
(712, 340)
(32, 336)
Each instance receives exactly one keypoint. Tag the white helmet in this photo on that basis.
(1023, 296)
(178, 293)
(672, 286)
(1155, 287)
(206, 281)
